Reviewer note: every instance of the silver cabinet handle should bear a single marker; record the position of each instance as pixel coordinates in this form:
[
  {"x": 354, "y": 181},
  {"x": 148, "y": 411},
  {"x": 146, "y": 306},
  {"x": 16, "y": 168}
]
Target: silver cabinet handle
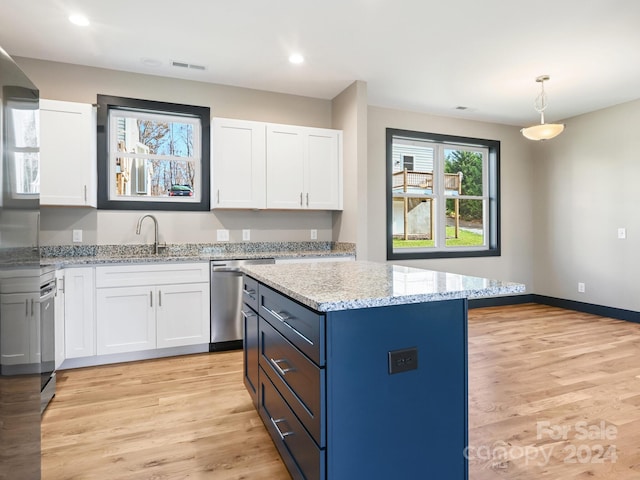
[
  {"x": 276, "y": 422},
  {"x": 307, "y": 199},
  {"x": 218, "y": 196},
  {"x": 283, "y": 317},
  {"x": 151, "y": 298},
  {"x": 246, "y": 315},
  {"x": 26, "y": 307},
  {"x": 276, "y": 364},
  {"x": 159, "y": 298},
  {"x": 85, "y": 194},
  {"x": 32, "y": 307},
  {"x": 301, "y": 198}
]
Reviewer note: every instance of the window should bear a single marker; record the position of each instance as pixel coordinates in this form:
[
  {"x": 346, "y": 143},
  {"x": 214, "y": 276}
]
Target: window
[
  {"x": 442, "y": 196},
  {"x": 22, "y": 125},
  {"x": 152, "y": 155}
]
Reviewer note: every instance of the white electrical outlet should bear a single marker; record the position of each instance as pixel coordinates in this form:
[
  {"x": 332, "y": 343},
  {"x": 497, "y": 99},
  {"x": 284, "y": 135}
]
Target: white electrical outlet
[
  {"x": 622, "y": 233},
  {"x": 580, "y": 287},
  {"x": 246, "y": 235},
  {"x": 222, "y": 235},
  {"x": 77, "y": 236},
  {"x": 314, "y": 234}
]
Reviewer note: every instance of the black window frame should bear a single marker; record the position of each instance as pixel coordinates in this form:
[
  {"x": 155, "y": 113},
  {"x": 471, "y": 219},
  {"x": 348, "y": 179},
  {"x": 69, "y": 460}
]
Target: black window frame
[
  {"x": 493, "y": 248},
  {"x": 108, "y": 102}
]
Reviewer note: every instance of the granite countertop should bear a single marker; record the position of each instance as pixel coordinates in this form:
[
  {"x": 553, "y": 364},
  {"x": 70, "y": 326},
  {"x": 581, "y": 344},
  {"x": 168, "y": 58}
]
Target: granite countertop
[
  {"x": 70, "y": 255},
  {"x": 331, "y": 286}
]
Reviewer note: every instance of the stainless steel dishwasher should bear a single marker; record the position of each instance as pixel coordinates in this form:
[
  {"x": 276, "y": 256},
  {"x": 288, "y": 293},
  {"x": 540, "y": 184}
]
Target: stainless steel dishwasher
[{"x": 226, "y": 302}]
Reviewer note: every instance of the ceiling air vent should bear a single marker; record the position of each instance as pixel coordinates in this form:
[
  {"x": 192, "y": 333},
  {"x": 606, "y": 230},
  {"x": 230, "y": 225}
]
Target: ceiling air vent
[{"x": 192, "y": 66}]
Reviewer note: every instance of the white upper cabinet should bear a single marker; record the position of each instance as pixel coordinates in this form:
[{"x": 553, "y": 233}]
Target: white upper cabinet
[
  {"x": 67, "y": 153},
  {"x": 323, "y": 169},
  {"x": 238, "y": 164},
  {"x": 304, "y": 168},
  {"x": 285, "y": 166},
  {"x": 258, "y": 165}
]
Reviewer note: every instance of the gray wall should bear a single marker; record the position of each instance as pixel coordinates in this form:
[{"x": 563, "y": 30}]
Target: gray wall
[
  {"x": 586, "y": 183},
  {"x": 60, "y": 81},
  {"x": 350, "y": 115},
  {"x": 516, "y": 170}
]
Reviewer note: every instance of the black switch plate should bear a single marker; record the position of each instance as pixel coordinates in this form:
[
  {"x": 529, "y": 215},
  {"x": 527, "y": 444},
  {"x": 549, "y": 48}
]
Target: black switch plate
[{"x": 403, "y": 360}]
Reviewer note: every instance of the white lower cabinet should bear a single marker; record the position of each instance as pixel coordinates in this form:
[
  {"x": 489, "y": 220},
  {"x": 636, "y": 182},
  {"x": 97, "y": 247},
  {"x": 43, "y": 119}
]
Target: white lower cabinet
[
  {"x": 182, "y": 316},
  {"x": 79, "y": 312},
  {"x": 125, "y": 319},
  {"x": 144, "y": 315},
  {"x": 19, "y": 326}
]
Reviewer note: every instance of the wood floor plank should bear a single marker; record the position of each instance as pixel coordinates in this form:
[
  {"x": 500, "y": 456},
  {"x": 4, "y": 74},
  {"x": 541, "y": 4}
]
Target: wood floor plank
[{"x": 534, "y": 372}]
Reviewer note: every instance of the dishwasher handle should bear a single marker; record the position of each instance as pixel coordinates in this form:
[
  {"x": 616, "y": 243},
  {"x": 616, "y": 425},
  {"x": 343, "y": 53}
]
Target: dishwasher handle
[{"x": 225, "y": 269}]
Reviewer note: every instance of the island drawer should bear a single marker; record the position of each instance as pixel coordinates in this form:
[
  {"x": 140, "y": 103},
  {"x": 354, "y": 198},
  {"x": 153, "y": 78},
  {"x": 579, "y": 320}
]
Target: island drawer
[
  {"x": 298, "y": 379},
  {"x": 301, "y": 326},
  {"x": 299, "y": 452},
  {"x": 250, "y": 292}
]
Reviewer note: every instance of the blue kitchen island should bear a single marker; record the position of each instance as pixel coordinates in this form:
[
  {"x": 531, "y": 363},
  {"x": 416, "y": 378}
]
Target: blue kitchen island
[{"x": 359, "y": 369}]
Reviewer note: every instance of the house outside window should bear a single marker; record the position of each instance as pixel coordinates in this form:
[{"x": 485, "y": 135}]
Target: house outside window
[
  {"x": 152, "y": 155},
  {"x": 442, "y": 196}
]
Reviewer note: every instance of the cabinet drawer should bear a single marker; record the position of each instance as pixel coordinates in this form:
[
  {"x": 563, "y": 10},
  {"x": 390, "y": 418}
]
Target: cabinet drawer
[
  {"x": 301, "y": 326},
  {"x": 151, "y": 274},
  {"x": 250, "y": 292},
  {"x": 301, "y": 455},
  {"x": 297, "y": 378}
]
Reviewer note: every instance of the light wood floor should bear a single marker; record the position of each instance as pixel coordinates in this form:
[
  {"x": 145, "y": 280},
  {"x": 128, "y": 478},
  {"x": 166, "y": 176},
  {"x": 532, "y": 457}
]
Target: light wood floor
[{"x": 535, "y": 373}]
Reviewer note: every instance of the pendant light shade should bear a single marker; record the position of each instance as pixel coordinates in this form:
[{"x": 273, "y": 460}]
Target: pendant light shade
[{"x": 544, "y": 131}]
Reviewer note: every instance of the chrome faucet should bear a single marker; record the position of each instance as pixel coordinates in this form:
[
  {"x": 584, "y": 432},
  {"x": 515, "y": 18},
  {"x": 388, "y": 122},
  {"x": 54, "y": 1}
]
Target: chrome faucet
[{"x": 155, "y": 238}]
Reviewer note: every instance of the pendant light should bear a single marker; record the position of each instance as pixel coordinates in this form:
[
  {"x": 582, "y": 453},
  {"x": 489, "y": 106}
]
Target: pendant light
[{"x": 544, "y": 131}]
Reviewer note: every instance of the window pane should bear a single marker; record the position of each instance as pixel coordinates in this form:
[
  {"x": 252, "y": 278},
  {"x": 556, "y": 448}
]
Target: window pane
[
  {"x": 464, "y": 223},
  {"x": 25, "y": 126},
  {"x": 463, "y": 172},
  {"x": 413, "y": 222},
  {"x": 161, "y": 136},
  {"x": 413, "y": 215},
  {"x": 27, "y": 168},
  {"x": 140, "y": 177}
]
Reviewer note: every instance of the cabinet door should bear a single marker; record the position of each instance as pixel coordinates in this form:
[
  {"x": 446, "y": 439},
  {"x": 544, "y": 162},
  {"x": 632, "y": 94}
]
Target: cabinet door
[
  {"x": 183, "y": 315},
  {"x": 238, "y": 164},
  {"x": 79, "y": 312},
  {"x": 323, "y": 172},
  {"x": 125, "y": 319},
  {"x": 59, "y": 319},
  {"x": 67, "y": 153},
  {"x": 16, "y": 327},
  {"x": 285, "y": 167}
]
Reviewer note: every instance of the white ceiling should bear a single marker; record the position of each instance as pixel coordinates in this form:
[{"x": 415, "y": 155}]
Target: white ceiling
[{"x": 421, "y": 55}]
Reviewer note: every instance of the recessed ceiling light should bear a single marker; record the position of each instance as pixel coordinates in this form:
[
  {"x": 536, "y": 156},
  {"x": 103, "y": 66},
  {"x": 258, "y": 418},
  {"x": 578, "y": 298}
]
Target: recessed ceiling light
[
  {"x": 296, "y": 58},
  {"x": 79, "y": 20}
]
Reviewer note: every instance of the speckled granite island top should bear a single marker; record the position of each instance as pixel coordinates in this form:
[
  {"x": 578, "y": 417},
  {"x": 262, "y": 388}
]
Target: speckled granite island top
[{"x": 335, "y": 286}]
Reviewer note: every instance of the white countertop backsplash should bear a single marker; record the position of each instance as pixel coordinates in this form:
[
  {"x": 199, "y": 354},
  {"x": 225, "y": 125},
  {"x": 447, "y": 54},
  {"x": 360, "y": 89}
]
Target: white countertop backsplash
[{"x": 331, "y": 286}]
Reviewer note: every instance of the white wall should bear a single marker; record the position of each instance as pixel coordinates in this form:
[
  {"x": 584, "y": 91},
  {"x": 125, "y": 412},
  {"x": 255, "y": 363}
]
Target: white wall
[
  {"x": 516, "y": 170},
  {"x": 586, "y": 187},
  {"x": 59, "y": 81}
]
